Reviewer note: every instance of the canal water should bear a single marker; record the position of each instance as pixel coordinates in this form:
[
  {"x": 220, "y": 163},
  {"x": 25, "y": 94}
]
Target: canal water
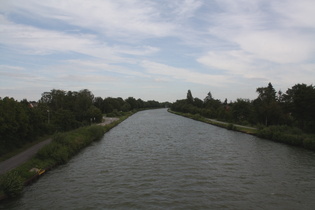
[{"x": 158, "y": 160}]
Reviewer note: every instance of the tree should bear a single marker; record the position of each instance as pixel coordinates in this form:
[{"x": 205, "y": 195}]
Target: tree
[
  {"x": 95, "y": 114},
  {"x": 99, "y": 103},
  {"x": 132, "y": 102},
  {"x": 208, "y": 97},
  {"x": 241, "y": 110},
  {"x": 83, "y": 102},
  {"x": 198, "y": 103},
  {"x": 190, "y": 98},
  {"x": 300, "y": 102},
  {"x": 267, "y": 108}
]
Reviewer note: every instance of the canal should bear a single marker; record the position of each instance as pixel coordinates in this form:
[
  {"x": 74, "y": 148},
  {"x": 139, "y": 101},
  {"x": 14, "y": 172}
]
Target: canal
[{"x": 158, "y": 160}]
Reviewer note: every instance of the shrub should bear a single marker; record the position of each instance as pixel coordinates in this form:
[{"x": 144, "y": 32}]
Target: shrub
[
  {"x": 11, "y": 184},
  {"x": 230, "y": 126},
  {"x": 96, "y": 132},
  {"x": 309, "y": 142},
  {"x": 55, "y": 151}
]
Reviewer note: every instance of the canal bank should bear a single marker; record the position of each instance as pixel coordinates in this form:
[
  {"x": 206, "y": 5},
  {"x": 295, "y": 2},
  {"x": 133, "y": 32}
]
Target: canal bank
[
  {"x": 280, "y": 134},
  {"x": 158, "y": 160},
  {"x": 55, "y": 152},
  {"x": 229, "y": 126}
]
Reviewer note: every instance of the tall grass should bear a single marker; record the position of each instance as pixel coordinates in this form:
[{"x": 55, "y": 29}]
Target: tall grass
[
  {"x": 59, "y": 151},
  {"x": 288, "y": 135}
]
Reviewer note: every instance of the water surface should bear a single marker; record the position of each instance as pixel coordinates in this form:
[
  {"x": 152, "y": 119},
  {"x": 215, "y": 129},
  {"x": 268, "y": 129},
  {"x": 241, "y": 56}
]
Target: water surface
[{"x": 157, "y": 160}]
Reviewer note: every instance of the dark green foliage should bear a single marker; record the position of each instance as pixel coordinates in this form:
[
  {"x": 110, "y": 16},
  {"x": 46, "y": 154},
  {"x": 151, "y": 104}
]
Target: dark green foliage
[
  {"x": 11, "y": 184},
  {"x": 277, "y": 111},
  {"x": 67, "y": 144},
  {"x": 231, "y": 126},
  {"x": 288, "y": 135},
  {"x": 63, "y": 147},
  {"x": 55, "y": 151},
  {"x": 190, "y": 99},
  {"x": 58, "y": 111},
  {"x": 309, "y": 142},
  {"x": 299, "y": 101}
]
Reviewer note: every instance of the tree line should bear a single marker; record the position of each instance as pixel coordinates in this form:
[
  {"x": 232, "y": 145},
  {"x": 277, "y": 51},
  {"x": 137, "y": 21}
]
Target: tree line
[
  {"x": 295, "y": 107},
  {"x": 23, "y": 121}
]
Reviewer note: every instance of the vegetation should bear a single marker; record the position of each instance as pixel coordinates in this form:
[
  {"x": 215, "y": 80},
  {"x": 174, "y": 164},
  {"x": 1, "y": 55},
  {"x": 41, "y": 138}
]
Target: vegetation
[
  {"x": 63, "y": 147},
  {"x": 23, "y": 122},
  {"x": 229, "y": 126},
  {"x": 284, "y": 117}
]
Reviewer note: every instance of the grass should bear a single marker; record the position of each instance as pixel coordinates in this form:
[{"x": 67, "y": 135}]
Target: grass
[
  {"x": 62, "y": 148},
  {"x": 229, "y": 126},
  {"x": 23, "y": 148},
  {"x": 283, "y": 134}
]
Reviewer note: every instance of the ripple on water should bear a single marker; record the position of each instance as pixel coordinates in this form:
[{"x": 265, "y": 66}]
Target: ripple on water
[{"x": 157, "y": 160}]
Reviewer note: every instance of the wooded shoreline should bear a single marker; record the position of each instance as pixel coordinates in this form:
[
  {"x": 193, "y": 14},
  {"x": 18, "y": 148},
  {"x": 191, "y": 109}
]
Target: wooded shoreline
[{"x": 62, "y": 148}]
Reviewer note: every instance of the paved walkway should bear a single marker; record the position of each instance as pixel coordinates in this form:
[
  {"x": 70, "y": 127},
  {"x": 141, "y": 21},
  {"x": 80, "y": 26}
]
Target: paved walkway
[
  {"x": 225, "y": 123},
  {"x": 17, "y": 160}
]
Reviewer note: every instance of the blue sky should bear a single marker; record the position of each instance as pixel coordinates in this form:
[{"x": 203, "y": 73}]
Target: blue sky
[{"x": 155, "y": 50}]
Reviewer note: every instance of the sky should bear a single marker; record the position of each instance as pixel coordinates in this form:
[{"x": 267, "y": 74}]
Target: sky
[{"x": 155, "y": 49}]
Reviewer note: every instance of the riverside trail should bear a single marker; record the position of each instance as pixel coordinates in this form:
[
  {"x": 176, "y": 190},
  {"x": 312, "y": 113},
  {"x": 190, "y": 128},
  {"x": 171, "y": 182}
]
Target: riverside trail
[{"x": 22, "y": 157}]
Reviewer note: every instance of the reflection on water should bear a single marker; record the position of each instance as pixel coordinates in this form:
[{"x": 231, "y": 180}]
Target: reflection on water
[{"x": 157, "y": 160}]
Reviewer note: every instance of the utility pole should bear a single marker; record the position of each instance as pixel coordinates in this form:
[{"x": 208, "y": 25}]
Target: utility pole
[{"x": 48, "y": 116}]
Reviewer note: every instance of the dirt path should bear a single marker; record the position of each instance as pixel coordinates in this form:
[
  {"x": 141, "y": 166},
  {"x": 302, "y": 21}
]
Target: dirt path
[
  {"x": 225, "y": 123},
  {"x": 17, "y": 160},
  {"x": 108, "y": 120}
]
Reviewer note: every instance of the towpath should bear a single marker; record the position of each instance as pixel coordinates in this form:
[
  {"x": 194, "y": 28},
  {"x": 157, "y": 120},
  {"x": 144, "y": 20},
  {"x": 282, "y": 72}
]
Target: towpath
[
  {"x": 225, "y": 123},
  {"x": 18, "y": 159}
]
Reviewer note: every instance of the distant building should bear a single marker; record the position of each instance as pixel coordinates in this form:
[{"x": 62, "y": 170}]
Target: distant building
[{"x": 33, "y": 104}]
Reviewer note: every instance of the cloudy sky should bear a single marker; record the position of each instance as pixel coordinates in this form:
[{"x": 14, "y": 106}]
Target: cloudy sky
[{"x": 155, "y": 49}]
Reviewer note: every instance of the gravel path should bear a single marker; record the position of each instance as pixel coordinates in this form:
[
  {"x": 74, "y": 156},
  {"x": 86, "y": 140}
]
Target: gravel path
[
  {"x": 17, "y": 160},
  {"x": 225, "y": 123}
]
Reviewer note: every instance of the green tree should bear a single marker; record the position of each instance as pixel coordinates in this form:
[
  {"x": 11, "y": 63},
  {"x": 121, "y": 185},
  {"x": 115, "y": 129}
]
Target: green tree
[
  {"x": 83, "y": 102},
  {"x": 198, "y": 102},
  {"x": 95, "y": 114},
  {"x": 190, "y": 99},
  {"x": 15, "y": 127},
  {"x": 242, "y": 110},
  {"x": 99, "y": 103},
  {"x": 208, "y": 97},
  {"x": 300, "y": 102},
  {"x": 267, "y": 108},
  {"x": 132, "y": 102}
]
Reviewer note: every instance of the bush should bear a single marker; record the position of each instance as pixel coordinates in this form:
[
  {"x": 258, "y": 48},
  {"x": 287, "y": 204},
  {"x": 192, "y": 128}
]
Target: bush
[
  {"x": 289, "y": 135},
  {"x": 96, "y": 132},
  {"x": 230, "y": 126},
  {"x": 55, "y": 151},
  {"x": 11, "y": 184},
  {"x": 309, "y": 142}
]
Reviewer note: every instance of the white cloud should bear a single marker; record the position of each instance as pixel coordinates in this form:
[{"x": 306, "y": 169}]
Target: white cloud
[
  {"x": 36, "y": 41},
  {"x": 276, "y": 46},
  {"x": 98, "y": 67},
  {"x": 299, "y": 14},
  {"x": 123, "y": 18},
  {"x": 264, "y": 34},
  {"x": 233, "y": 62},
  {"x": 184, "y": 75},
  {"x": 137, "y": 42},
  {"x": 184, "y": 9}
]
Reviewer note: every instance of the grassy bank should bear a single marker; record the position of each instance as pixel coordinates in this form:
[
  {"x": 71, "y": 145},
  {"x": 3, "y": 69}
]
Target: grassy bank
[
  {"x": 282, "y": 134},
  {"x": 12, "y": 153},
  {"x": 59, "y": 151},
  {"x": 229, "y": 126},
  {"x": 288, "y": 135}
]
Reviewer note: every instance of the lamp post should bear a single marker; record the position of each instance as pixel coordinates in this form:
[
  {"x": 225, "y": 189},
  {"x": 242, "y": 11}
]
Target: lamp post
[{"x": 48, "y": 116}]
